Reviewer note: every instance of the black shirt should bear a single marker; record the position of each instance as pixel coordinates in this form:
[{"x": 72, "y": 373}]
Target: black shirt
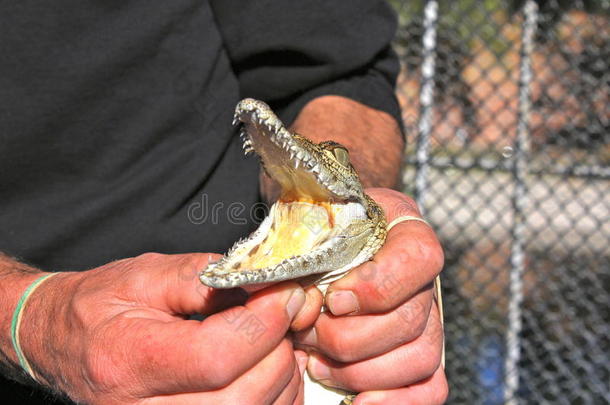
[{"x": 115, "y": 116}]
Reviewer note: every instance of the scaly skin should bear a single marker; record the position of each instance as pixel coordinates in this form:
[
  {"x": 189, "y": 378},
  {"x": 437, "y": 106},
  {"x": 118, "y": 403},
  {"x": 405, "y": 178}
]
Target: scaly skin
[{"x": 348, "y": 226}]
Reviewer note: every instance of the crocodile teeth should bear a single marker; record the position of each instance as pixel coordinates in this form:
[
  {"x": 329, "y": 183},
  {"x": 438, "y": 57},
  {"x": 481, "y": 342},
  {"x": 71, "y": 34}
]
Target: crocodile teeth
[{"x": 235, "y": 119}]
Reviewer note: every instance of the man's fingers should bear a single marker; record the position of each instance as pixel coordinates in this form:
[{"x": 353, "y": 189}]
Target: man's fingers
[
  {"x": 355, "y": 338},
  {"x": 294, "y": 389},
  {"x": 273, "y": 377},
  {"x": 276, "y": 376},
  {"x": 431, "y": 391},
  {"x": 170, "y": 283},
  {"x": 302, "y": 359},
  {"x": 188, "y": 356},
  {"x": 406, "y": 365},
  {"x": 409, "y": 260},
  {"x": 310, "y": 311}
]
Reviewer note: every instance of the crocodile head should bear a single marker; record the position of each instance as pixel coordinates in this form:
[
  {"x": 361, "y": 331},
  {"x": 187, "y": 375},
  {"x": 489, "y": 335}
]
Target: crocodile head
[{"x": 322, "y": 222}]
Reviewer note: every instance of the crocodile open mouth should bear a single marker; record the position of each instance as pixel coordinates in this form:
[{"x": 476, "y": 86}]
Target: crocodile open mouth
[{"x": 321, "y": 198}]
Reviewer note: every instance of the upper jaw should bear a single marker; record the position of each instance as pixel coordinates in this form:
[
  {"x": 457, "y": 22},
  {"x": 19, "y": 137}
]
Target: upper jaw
[{"x": 290, "y": 159}]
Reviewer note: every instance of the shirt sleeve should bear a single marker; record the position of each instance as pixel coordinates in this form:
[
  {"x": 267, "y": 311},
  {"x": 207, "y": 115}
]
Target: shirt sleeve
[{"x": 288, "y": 52}]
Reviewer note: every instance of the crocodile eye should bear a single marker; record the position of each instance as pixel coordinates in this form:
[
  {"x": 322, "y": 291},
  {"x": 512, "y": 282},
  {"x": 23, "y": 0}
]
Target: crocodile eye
[{"x": 342, "y": 155}]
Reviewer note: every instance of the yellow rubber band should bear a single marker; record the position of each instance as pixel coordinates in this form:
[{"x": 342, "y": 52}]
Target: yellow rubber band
[
  {"x": 405, "y": 218},
  {"x": 16, "y": 323}
]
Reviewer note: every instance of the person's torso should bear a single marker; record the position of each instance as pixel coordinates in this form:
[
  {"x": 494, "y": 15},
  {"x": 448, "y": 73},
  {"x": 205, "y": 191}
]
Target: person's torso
[{"x": 116, "y": 136}]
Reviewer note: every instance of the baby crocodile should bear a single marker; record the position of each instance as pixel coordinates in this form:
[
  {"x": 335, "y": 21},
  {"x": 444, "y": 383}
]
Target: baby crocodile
[{"x": 322, "y": 225}]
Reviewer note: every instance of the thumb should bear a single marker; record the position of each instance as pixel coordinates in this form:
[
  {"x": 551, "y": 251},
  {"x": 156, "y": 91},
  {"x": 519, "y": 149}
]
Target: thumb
[{"x": 173, "y": 285}]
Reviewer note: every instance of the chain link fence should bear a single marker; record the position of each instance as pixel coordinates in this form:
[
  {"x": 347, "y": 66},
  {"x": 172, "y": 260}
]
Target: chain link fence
[{"x": 506, "y": 106}]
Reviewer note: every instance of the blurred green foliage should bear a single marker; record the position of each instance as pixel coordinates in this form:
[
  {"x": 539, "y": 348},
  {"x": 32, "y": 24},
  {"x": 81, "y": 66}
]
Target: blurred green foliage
[
  {"x": 468, "y": 20},
  {"x": 483, "y": 19}
]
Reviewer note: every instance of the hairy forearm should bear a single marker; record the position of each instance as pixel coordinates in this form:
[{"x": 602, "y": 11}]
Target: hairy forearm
[
  {"x": 15, "y": 277},
  {"x": 372, "y": 137}
]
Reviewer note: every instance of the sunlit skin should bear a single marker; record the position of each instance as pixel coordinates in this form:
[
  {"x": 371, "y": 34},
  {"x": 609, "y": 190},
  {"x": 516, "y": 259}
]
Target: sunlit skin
[{"x": 123, "y": 337}]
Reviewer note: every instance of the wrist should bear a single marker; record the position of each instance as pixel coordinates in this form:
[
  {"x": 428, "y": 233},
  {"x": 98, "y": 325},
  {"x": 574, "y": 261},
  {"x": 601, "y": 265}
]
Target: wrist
[
  {"x": 43, "y": 317},
  {"x": 15, "y": 278}
]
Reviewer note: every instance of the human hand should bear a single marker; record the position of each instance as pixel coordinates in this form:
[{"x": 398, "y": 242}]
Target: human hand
[
  {"x": 118, "y": 334},
  {"x": 383, "y": 335}
]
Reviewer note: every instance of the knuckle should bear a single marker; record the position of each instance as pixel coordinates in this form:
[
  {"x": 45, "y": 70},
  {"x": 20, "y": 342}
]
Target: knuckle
[
  {"x": 406, "y": 206},
  {"x": 402, "y": 203},
  {"x": 149, "y": 257},
  {"x": 441, "y": 392},
  {"x": 415, "y": 315},
  {"x": 437, "y": 258},
  {"x": 340, "y": 347},
  {"x": 431, "y": 360},
  {"x": 354, "y": 379},
  {"x": 430, "y": 252}
]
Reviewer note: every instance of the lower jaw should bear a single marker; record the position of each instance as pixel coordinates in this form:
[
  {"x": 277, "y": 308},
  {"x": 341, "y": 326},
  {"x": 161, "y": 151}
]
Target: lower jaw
[{"x": 297, "y": 228}]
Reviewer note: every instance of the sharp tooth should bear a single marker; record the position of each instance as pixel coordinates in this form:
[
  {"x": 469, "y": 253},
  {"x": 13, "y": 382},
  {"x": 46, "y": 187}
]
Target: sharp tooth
[
  {"x": 296, "y": 164},
  {"x": 235, "y": 119},
  {"x": 292, "y": 154}
]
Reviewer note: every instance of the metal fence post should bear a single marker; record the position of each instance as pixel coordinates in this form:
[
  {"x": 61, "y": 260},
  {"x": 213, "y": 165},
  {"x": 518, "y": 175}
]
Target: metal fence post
[
  {"x": 426, "y": 101},
  {"x": 519, "y": 203}
]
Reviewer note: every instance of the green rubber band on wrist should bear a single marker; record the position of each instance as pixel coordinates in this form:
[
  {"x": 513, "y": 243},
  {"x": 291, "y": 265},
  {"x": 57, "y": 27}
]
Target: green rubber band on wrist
[{"x": 16, "y": 323}]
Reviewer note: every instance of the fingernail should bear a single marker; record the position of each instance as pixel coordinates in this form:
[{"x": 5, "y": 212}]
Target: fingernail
[
  {"x": 342, "y": 302},
  {"x": 318, "y": 370},
  {"x": 309, "y": 338},
  {"x": 295, "y": 302}
]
